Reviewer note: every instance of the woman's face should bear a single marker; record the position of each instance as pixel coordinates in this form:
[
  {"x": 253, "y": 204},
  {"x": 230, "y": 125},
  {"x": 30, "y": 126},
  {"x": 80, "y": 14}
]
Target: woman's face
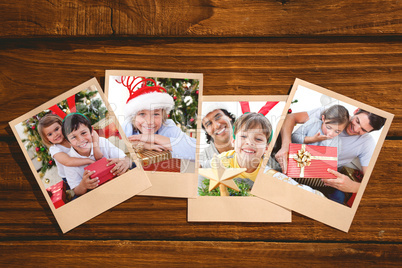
[
  {"x": 218, "y": 126},
  {"x": 149, "y": 121}
]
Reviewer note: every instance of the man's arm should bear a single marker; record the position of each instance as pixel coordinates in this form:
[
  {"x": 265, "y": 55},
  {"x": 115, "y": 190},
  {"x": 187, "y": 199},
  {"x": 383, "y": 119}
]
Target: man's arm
[{"x": 286, "y": 133}]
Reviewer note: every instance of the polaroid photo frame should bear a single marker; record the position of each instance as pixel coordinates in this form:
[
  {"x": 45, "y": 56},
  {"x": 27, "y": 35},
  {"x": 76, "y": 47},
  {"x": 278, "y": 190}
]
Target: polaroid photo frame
[
  {"x": 336, "y": 208},
  {"x": 87, "y": 101},
  {"x": 243, "y": 207},
  {"x": 133, "y": 94}
]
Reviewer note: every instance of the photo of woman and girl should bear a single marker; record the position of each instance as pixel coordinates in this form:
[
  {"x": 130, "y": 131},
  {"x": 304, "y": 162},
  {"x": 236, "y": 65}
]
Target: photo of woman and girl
[
  {"x": 239, "y": 143},
  {"x": 154, "y": 120},
  {"x": 324, "y": 121},
  {"x": 73, "y": 144}
]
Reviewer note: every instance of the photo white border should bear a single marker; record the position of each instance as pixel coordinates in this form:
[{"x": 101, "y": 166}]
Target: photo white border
[
  {"x": 100, "y": 199},
  {"x": 294, "y": 198}
]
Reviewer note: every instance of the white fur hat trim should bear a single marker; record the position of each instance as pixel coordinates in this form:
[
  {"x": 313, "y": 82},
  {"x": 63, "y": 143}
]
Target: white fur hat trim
[
  {"x": 212, "y": 106},
  {"x": 149, "y": 101}
]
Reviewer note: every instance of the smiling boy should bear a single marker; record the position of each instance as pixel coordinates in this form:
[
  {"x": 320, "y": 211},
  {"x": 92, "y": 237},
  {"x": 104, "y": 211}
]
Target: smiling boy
[{"x": 77, "y": 130}]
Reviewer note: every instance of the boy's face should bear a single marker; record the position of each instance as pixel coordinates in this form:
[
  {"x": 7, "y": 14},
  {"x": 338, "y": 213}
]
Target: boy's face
[
  {"x": 250, "y": 145},
  {"x": 53, "y": 133},
  {"x": 359, "y": 124},
  {"x": 218, "y": 126},
  {"x": 81, "y": 140},
  {"x": 148, "y": 121}
]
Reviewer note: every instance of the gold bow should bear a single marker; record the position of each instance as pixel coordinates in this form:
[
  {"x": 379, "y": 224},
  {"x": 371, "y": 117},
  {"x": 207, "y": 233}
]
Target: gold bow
[{"x": 304, "y": 157}]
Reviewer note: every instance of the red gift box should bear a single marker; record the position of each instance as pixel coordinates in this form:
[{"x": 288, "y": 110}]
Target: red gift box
[
  {"x": 101, "y": 170},
  {"x": 311, "y": 161},
  {"x": 57, "y": 194}
]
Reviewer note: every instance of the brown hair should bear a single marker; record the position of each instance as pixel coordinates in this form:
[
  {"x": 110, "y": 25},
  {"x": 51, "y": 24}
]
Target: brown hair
[
  {"x": 376, "y": 121},
  {"x": 336, "y": 114},
  {"x": 251, "y": 121},
  {"x": 164, "y": 118},
  {"x": 45, "y": 122}
]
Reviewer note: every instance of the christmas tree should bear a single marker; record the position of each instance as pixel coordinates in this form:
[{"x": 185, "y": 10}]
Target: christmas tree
[
  {"x": 88, "y": 102},
  {"x": 185, "y": 95}
]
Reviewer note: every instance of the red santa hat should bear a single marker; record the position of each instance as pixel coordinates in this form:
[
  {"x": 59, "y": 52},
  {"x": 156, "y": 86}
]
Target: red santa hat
[{"x": 144, "y": 97}]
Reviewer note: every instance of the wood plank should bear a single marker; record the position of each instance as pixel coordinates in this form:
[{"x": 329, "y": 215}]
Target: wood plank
[
  {"x": 196, "y": 253},
  {"x": 37, "y": 70},
  {"x": 25, "y": 215},
  {"x": 199, "y": 18}
]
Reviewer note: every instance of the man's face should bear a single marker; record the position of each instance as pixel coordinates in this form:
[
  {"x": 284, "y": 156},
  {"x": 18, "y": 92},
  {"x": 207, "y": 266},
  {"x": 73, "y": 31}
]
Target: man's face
[
  {"x": 149, "y": 121},
  {"x": 250, "y": 146},
  {"x": 218, "y": 126},
  {"x": 359, "y": 124},
  {"x": 81, "y": 140}
]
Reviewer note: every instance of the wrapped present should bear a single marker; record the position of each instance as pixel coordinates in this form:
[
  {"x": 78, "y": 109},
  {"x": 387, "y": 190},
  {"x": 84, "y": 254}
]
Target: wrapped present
[
  {"x": 102, "y": 171},
  {"x": 171, "y": 165},
  {"x": 354, "y": 175},
  {"x": 106, "y": 128},
  {"x": 57, "y": 194},
  {"x": 311, "y": 161},
  {"x": 148, "y": 157}
]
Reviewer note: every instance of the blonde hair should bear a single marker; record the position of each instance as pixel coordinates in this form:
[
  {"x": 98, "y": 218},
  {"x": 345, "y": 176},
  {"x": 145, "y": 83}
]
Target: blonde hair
[
  {"x": 45, "y": 122},
  {"x": 164, "y": 118},
  {"x": 252, "y": 121}
]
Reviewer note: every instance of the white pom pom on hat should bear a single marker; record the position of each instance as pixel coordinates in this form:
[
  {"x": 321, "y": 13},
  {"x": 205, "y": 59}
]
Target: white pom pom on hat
[{"x": 208, "y": 107}]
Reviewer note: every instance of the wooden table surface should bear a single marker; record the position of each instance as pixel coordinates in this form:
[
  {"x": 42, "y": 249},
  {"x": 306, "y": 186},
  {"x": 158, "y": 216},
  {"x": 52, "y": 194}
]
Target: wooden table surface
[{"x": 242, "y": 47}]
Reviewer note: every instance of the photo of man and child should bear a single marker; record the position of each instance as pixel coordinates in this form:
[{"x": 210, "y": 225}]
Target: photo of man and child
[
  {"x": 72, "y": 149},
  {"x": 317, "y": 119},
  {"x": 238, "y": 134}
]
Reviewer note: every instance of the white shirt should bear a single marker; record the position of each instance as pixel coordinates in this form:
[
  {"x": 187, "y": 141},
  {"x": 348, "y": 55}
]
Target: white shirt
[
  {"x": 74, "y": 174},
  {"x": 55, "y": 149}
]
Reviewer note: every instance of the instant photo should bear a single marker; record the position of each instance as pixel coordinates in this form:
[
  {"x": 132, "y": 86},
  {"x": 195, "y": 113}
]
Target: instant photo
[
  {"x": 158, "y": 113},
  {"x": 322, "y": 160},
  {"x": 236, "y": 135},
  {"x": 74, "y": 147}
]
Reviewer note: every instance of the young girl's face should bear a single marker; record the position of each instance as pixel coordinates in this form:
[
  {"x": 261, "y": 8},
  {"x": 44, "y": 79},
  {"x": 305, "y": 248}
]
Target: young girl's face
[
  {"x": 331, "y": 130},
  {"x": 53, "y": 133},
  {"x": 148, "y": 121},
  {"x": 250, "y": 146}
]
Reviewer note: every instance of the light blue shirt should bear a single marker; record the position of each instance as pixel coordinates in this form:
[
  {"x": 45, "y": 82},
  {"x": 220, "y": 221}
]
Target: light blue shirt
[{"x": 183, "y": 146}]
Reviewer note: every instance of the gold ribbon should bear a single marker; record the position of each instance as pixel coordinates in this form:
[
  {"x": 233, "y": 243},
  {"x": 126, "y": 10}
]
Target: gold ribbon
[{"x": 304, "y": 157}]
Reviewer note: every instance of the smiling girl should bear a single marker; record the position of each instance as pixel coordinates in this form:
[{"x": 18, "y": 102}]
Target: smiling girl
[
  {"x": 50, "y": 130},
  {"x": 323, "y": 132}
]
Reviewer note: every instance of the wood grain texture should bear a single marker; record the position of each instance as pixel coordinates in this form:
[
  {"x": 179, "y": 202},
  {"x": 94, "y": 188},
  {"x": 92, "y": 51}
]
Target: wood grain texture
[
  {"x": 185, "y": 253},
  {"x": 365, "y": 69},
  {"x": 24, "y": 213},
  {"x": 200, "y": 18}
]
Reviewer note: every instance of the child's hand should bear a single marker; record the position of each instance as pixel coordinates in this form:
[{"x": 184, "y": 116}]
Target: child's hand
[
  {"x": 121, "y": 165},
  {"x": 140, "y": 138},
  {"x": 316, "y": 138},
  {"x": 87, "y": 182},
  {"x": 154, "y": 147}
]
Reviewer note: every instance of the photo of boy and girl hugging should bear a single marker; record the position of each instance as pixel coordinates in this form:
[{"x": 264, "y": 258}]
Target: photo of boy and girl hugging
[
  {"x": 73, "y": 144},
  {"x": 239, "y": 143},
  {"x": 331, "y": 124}
]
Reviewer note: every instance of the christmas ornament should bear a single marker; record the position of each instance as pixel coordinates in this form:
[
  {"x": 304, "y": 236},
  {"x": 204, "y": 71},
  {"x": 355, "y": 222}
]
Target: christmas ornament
[
  {"x": 33, "y": 127},
  {"x": 41, "y": 174},
  {"x": 221, "y": 176},
  {"x": 39, "y": 159},
  {"x": 50, "y": 162},
  {"x": 47, "y": 180},
  {"x": 88, "y": 102},
  {"x": 42, "y": 149},
  {"x": 37, "y": 149}
]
